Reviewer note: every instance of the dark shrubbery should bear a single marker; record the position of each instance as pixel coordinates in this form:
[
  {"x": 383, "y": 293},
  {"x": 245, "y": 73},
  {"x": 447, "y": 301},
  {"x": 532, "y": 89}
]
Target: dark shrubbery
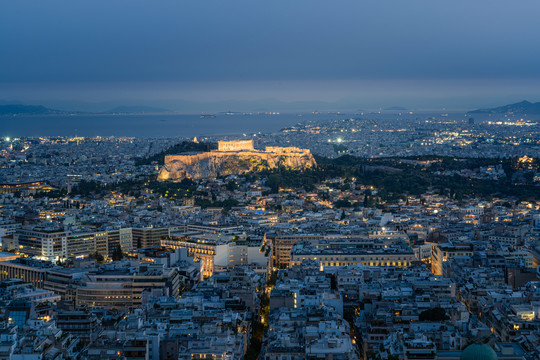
[
  {"x": 434, "y": 314},
  {"x": 183, "y": 147}
]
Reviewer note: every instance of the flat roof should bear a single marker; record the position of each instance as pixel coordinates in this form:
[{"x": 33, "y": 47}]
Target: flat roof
[{"x": 7, "y": 254}]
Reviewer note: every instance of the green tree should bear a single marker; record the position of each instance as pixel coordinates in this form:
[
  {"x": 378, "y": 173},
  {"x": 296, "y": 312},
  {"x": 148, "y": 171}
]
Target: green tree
[
  {"x": 98, "y": 257},
  {"x": 433, "y": 314},
  {"x": 117, "y": 254},
  {"x": 231, "y": 185},
  {"x": 343, "y": 203},
  {"x": 529, "y": 176},
  {"x": 183, "y": 147}
]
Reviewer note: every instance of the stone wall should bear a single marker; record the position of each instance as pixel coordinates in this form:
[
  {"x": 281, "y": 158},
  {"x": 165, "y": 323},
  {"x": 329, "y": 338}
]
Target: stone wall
[{"x": 286, "y": 150}]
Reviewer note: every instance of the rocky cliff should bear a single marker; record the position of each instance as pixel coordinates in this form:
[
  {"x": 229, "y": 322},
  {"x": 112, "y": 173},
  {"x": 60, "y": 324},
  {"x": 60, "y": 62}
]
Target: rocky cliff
[{"x": 215, "y": 163}]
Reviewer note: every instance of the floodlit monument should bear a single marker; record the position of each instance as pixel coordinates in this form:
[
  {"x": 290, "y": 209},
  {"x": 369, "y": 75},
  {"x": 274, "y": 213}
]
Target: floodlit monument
[
  {"x": 238, "y": 145},
  {"x": 233, "y": 157}
]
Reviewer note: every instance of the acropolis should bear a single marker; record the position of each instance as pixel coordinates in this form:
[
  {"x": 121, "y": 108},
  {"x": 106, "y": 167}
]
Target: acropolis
[{"x": 233, "y": 157}]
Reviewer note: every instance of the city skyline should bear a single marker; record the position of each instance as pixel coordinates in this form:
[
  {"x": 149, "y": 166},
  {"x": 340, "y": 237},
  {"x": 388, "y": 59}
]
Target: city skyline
[{"x": 285, "y": 180}]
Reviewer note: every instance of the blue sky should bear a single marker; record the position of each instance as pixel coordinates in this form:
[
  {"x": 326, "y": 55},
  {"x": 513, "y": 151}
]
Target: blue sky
[{"x": 415, "y": 52}]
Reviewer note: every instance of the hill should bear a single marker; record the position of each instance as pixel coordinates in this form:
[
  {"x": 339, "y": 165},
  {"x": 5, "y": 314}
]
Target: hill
[
  {"x": 212, "y": 164},
  {"x": 18, "y": 109},
  {"x": 524, "y": 107}
]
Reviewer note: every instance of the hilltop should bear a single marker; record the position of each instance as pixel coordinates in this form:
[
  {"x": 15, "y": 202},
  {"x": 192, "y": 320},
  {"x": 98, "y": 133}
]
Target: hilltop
[
  {"x": 22, "y": 109},
  {"x": 523, "y": 107},
  {"x": 233, "y": 158},
  {"x": 18, "y": 109}
]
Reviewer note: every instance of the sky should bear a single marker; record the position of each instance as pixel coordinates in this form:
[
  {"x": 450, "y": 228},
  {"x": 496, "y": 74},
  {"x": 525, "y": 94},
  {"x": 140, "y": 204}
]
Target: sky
[{"x": 351, "y": 53}]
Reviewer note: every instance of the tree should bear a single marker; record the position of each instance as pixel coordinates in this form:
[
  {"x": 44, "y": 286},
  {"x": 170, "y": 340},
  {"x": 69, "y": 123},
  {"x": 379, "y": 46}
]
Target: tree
[
  {"x": 343, "y": 203},
  {"x": 272, "y": 279},
  {"x": 117, "y": 254},
  {"x": 434, "y": 314},
  {"x": 333, "y": 282},
  {"x": 529, "y": 176},
  {"x": 231, "y": 185},
  {"x": 183, "y": 147},
  {"x": 98, "y": 257}
]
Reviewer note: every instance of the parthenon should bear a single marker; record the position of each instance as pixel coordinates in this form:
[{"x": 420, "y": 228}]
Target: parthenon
[{"x": 238, "y": 145}]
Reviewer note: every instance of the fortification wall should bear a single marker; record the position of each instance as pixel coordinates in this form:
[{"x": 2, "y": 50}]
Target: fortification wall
[
  {"x": 286, "y": 150},
  {"x": 189, "y": 159}
]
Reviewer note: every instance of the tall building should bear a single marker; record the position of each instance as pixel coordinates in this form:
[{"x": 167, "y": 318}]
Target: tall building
[
  {"x": 282, "y": 245},
  {"x": 219, "y": 254},
  {"x": 144, "y": 237},
  {"x": 120, "y": 285},
  {"x": 29, "y": 270},
  {"x": 54, "y": 243},
  {"x": 7, "y": 228},
  {"x": 446, "y": 251},
  {"x": 345, "y": 252},
  {"x": 122, "y": 238},
  {"x": 80, "y": 322},
  {"x": 102, "y": 243},
  {"x": 49, "y": 243}
]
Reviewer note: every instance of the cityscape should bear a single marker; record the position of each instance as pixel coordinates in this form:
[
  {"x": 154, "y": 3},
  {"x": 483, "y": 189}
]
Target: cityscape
[
  {"x": 239, "y": 184},
  {"x": 421, "y": 245}
]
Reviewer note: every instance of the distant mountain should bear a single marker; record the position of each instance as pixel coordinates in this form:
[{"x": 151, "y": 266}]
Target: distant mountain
[
  {"x": 524, "y": 107},
  {"x": 137, "y": 110},
  {"x": 18, "y": 109}
]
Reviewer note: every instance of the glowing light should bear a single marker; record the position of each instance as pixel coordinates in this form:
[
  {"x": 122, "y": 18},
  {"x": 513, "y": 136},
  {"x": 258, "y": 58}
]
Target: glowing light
[{"x": 339, "y": 140}]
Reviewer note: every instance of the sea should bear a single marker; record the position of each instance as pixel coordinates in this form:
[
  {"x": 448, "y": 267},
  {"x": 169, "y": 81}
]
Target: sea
[
  {"x": 151, "y": 125},
  {"x": 188, "y": 126}
]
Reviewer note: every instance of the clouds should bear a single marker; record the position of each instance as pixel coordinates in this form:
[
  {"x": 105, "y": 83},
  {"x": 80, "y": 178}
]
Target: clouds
[{"x": 178, "y": 41}]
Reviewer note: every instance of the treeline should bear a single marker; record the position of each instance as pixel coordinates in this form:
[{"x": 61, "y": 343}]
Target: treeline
[
  {"x": 182, "y": 189},
  {"x": 437, "y": 163},
  {"x": 183, "y": 147},
  {"x": 407, "y": 180},
  {"x": 87, "y": 187},
  {"x": 390, "y": 185},
  {"x": 392, "y": 178},
  {"x": 54, "y": 194},
  {"x": 93, "y": 187},
  {"x": 225, "y": 204}
]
